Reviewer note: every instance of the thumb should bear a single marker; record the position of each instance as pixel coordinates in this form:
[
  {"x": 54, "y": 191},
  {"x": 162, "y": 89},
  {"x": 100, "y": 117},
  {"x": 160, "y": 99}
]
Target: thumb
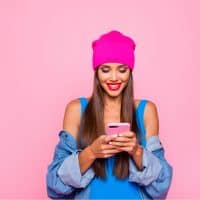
[{"x": 108, "y": 138}]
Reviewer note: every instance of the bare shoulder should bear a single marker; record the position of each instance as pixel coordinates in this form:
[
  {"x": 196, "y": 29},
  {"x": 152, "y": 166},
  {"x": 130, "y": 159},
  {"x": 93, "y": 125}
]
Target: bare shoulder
[
  {"x": 136, "y": 102},
  {"x": 72, "y": 115},
  {"x": 151, "y": 119}
]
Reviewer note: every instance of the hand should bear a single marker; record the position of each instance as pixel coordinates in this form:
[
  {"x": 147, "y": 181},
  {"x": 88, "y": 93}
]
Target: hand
[
  {"x": 101, "y": 148},
  {"x": 126, "y": 141}
]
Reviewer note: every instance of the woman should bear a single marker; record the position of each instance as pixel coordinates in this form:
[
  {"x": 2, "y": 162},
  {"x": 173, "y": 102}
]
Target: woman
[{"x": 90, "y": 164}]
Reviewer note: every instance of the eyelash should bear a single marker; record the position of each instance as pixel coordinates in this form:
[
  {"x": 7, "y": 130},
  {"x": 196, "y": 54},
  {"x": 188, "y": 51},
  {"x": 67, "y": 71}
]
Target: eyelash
[{"x": 106, "y": 71}]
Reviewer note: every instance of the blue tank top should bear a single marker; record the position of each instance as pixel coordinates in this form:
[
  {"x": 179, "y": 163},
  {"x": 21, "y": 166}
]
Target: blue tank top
[{"x": 112, "y": 187}]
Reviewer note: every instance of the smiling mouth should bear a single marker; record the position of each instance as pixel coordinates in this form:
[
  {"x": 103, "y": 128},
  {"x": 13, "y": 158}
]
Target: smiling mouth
[{"x": 113, "y": 86}]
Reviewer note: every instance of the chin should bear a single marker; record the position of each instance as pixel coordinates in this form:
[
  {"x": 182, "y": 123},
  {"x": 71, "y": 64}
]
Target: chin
[{"x": 113, "y": 93}]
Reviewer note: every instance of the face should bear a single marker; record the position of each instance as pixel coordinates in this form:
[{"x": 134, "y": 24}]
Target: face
[{"x": 113, "y": 77}]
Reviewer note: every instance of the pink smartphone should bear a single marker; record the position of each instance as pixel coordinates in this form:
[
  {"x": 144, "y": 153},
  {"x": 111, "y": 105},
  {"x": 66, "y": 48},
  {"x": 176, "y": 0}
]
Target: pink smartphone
[{"x": 115, "y": 128}]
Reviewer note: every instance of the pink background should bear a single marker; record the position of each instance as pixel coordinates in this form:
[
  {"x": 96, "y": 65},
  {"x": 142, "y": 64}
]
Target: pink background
[{"x": 45, "y": 60}]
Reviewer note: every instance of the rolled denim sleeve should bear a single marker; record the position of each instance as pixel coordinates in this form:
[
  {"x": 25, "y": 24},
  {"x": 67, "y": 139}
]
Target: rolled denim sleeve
[
  {"x": 156, "y": 176},
  {"x": 55, "y": 187},
  {"x": 150, "y": 172},
  {"x": 65, "y": 159},
  {"x": 70, "y": 173}
]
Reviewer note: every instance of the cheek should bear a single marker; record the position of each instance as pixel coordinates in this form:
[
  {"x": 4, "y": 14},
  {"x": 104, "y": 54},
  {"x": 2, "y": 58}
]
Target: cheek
[
  {"x": 124, "y": 77},
  {"x": 103, "y": 77}
]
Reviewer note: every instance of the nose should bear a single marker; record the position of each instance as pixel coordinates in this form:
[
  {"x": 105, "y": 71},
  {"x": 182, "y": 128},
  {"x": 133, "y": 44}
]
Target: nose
[{"x": 114, "y": 76}]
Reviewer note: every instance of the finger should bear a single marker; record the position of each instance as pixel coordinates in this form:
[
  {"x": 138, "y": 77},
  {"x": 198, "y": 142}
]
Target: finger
[
  {"x": 113, "y": 151},
  {"x": 102, "y": 138},
  {"x": 128, "y": 149},
  {"x": 108, "y": 138},
  {"x": 122, "y": 144},
  {"x": 108, "y": 155},
  {"x": 125, "y": 140},
  {"x": 122, "y": 139},
  {"x": 128, "y": 134},
  {"x": 107, "y": 147}
]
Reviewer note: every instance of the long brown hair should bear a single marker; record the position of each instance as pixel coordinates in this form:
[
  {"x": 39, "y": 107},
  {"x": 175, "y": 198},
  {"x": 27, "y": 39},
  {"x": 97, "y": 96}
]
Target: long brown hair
[{"x": 92, "y": 126}]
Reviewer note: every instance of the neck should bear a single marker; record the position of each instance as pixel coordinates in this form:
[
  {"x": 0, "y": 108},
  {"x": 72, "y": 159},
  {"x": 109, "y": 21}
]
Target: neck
[{"x": 112, "y": 102}]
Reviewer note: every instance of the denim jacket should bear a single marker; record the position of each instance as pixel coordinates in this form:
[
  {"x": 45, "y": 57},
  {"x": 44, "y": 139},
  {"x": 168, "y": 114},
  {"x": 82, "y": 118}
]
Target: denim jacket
[{"x": 65, "y": 181}]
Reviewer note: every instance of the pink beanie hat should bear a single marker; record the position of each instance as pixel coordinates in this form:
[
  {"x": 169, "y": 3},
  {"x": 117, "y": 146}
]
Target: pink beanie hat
[{"x": 113, "y": 47}]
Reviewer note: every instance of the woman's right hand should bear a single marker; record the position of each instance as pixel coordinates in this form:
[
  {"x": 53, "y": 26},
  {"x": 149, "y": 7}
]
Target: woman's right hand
[{"x": 100, "y": 148}]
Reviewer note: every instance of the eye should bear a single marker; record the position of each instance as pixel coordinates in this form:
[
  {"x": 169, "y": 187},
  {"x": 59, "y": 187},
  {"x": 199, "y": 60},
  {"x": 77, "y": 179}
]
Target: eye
[
  {"x": 105, "y": 70},
  {"x": 123, "y": 70}
]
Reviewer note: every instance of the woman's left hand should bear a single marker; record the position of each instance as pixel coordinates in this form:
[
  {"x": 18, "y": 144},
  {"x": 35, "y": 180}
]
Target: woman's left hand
[{"x": 126, "y": 141}]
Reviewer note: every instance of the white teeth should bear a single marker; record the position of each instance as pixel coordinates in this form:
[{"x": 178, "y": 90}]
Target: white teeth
[{"x": 114, "y": 86}]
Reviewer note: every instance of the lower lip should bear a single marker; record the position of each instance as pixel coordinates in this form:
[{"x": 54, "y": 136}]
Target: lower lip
[{"x": 117, "y": 86}]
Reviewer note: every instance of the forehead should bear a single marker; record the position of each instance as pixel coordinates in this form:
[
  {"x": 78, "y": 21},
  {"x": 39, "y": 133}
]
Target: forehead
[{"x": 113, "y": 65}]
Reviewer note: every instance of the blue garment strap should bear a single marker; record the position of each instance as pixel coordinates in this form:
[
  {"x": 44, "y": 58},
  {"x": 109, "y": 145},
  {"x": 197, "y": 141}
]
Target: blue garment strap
[
  {"x": 84, "y": 103},
  {"x": 140, "y": 120}
]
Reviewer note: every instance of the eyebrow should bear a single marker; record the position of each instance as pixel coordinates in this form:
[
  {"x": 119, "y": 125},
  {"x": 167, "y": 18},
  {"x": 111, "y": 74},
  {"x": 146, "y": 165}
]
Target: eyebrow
[{"x": 117, "y": 66}]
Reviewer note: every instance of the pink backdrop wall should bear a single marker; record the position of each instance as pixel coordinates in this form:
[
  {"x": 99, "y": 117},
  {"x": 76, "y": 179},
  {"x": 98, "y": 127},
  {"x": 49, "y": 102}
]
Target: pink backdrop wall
[{"x": 45, "y": 61}]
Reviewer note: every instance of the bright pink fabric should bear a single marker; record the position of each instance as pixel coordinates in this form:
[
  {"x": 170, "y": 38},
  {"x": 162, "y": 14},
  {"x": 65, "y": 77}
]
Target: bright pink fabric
[{"x": 113, "y": 47}]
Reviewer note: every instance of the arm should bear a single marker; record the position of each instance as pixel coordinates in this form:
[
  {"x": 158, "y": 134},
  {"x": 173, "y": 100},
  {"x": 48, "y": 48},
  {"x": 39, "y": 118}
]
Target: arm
[
  {"x": 156, "y": 176},
  {"x": 152, "y": 128},
  {"x": 64, "y": 174},
  {"x": 86, "y": 158}
]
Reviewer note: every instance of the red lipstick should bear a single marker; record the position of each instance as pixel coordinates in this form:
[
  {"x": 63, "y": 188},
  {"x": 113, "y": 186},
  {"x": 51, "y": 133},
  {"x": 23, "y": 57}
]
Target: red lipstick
[{"x": 113, "y": 86}]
